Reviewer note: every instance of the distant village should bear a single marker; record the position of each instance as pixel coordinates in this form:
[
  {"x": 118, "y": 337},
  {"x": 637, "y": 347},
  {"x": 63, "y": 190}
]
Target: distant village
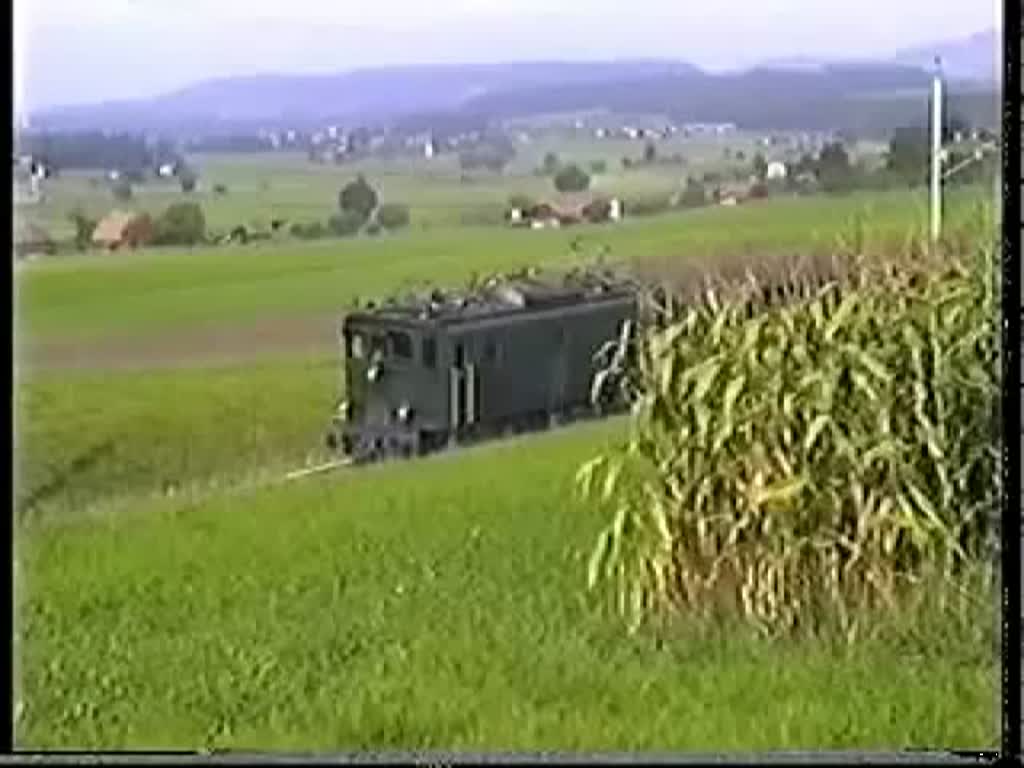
[{"x": 788, "y": 160}]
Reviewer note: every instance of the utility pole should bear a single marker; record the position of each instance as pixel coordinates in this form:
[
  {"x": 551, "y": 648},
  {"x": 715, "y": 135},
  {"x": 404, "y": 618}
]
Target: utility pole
[{"x": 936, "y": 176}]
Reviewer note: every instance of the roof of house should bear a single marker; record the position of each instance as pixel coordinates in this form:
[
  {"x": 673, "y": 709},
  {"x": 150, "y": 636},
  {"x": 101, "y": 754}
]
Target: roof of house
[{"x": 111, "y": 227}]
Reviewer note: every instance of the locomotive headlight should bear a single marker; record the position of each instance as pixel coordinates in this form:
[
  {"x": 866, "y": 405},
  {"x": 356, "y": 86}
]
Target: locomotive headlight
[{"x": 404, "y": 412}]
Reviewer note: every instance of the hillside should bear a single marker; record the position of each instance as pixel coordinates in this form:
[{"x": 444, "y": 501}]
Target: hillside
[
  {"x": 867, "y": 98},
  {"x": 368, "y": 95}
]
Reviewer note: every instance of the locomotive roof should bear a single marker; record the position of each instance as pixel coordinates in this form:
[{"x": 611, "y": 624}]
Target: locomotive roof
[{"x": 495, "y": 298}]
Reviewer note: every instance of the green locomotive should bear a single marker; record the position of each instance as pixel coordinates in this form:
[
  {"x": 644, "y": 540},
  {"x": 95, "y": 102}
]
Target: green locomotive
[{"x": 514, "y": 355}]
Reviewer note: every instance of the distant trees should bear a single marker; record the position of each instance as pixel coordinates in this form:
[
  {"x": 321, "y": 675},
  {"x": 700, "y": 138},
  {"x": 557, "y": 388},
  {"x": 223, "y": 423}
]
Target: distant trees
[
  {"x": 551, "y": 163},
  {"x": 89, "y": 150},
  {"x": 598, "y": 167},
  {"x": 180, "y": 224},
  {"x": 393, "y": 216},
  {"x": 358, "y": 199},
  {"x": 834, "y": 169},
  {"x": 909, "y": 154},
  {"x": 493, "y": 156},
  {"x": 571, "y": 178},
  {"x": 759, "y": 166},
  {"x": 650, "y": 153}
]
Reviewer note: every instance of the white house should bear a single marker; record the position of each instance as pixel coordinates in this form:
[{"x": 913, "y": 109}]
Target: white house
[
  {"x": 615, "y": 209},
  {"x": 776, "y": 170},
  {"x": 166, "y": 170},
  {"x": 428, "y": 149}
]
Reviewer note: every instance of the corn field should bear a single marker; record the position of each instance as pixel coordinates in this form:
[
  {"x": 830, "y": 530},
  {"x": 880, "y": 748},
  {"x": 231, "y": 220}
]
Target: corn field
[{"x": 802, "y": 462}]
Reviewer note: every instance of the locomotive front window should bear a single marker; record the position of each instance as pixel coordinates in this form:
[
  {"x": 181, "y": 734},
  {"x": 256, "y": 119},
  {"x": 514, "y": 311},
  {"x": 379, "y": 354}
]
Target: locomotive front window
[{"x": 400, "y": 344}]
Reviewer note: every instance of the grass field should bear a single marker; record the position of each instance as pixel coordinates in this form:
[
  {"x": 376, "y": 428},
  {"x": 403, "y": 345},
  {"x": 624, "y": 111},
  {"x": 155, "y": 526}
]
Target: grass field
[
  {"x": 176, "y": 289},
  {"x": 432, "y": 604}
]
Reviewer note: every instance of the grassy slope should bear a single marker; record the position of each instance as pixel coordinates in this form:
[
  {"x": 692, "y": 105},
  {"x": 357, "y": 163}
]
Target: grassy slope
[
  {"x": 165, "y": 290},
  {"x": 433, "y": 604},
  {"x": 84, "y": 437}
]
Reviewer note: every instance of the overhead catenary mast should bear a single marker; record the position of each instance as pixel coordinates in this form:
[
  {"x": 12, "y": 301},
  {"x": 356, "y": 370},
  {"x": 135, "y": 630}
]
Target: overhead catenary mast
[{"x": 936, "y": 173}]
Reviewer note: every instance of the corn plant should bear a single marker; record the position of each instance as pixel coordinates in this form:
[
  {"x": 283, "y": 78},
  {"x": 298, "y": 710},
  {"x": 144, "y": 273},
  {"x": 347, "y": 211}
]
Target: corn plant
[{"x": 810, "y": 462}]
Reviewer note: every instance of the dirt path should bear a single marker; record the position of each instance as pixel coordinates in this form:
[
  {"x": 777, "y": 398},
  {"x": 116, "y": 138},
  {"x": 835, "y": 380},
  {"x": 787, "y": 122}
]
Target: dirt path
[{"x": 277, "y": 338}]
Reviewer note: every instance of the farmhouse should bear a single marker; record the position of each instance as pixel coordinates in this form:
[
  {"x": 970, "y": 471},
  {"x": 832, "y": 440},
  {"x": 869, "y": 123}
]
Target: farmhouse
[
  {"x": 119, "y": 228},
  {"x": 568, "y": 210},
  {"x": 776, "y": 170}
]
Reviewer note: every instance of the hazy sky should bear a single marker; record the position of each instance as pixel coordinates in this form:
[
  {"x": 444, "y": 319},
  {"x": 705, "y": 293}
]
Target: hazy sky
[{"x": 69, "y": 51}]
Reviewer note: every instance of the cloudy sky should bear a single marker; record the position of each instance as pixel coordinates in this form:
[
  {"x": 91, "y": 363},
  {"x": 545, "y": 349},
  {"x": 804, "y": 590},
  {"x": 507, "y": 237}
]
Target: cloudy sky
[{"x": 70, "y": 51}]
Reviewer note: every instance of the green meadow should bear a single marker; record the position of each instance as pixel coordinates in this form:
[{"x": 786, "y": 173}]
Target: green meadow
[{"x": 172, "y": 591}]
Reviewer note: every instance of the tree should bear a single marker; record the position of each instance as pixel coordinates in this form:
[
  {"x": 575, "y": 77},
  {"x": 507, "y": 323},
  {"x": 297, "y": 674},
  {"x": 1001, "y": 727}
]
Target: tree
[
  {"x": 359, "y": 198},
  {"x": 187, "y": 178},
  {"x": 834, "y": 169},
  {"x": 650, "y": 153},
  {"x": 551, "y": 163},
  {"x": 346, "y": 223},
  {"x": 84, "y": 227},
  {"x": 180, "y": 224},
  {"x": 571, "y": 178},
  {"x": 598, "y": 167},
  {"x": 760, "y": 166},
  {"x": 393, "y": 216}
]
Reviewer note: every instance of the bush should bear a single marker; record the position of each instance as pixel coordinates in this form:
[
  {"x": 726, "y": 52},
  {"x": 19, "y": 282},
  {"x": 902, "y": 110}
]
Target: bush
[
  {"x": 598, "y": 167},
  {"x": 309, "y": 231},
  {"x": 180, "y": 224},
  {"x": 346, "y": 223},
  {"x": 485, "y": 215},
  {"x": 393, "y": 216},
  {"x": 84, "y": 227},
  {"x": 188, "y": 179},
  {"x": 811, "y": 464},
  {"x": 571, "y": 178},
  {"x": 220, "y": 190},
  {"x": 649, "y": 205},
  {"x": 520, "y": 201}
]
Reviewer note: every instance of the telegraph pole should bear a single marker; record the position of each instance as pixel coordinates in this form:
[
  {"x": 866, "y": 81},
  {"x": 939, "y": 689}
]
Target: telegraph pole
[{"x": 936, "y": 176}]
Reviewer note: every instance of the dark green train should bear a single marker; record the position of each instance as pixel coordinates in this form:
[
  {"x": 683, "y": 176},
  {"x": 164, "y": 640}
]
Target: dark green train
[{"x": 512, "y": 356}]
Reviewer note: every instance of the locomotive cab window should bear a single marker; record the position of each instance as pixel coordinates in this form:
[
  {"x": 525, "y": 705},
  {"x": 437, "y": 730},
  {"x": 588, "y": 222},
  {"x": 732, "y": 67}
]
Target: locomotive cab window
[
  {"x": 356, "y": 345},
  {"x": 400, "y": 345}
]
